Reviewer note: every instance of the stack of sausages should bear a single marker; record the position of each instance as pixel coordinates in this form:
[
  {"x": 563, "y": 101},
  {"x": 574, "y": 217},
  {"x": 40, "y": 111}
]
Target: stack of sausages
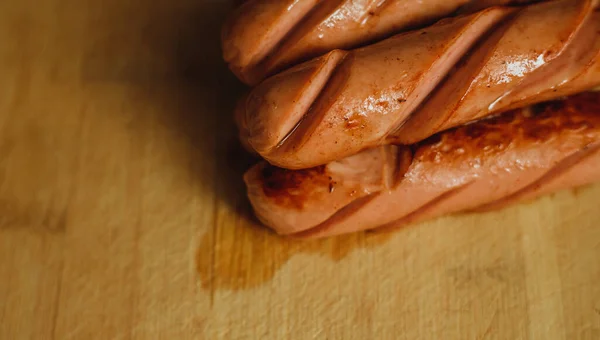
[{"x": 378, "y": 113}]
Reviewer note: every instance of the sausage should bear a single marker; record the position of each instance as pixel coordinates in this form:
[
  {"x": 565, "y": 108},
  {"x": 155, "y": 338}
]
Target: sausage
[
  {"x": 265, "y": 36},
  {"x": 408, "y": 87},
  {"x": 515, "y": 156}
]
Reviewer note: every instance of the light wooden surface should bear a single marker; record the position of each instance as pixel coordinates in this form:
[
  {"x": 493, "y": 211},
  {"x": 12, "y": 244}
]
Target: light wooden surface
[{"x": 122, "y": 214}]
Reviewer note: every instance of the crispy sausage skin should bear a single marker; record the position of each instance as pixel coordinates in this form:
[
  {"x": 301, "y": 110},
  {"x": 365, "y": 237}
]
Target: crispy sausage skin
[
  {"x": 519, "y": 155},
  {"x": 262, "y": 37},
  {"x": 410, "y": 86}
]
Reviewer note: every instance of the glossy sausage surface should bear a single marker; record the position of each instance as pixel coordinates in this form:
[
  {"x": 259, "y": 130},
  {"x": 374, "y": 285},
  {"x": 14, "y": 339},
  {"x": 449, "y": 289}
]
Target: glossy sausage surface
[
  {"x": 516, "y": 156},
  {"x": 265, "y": 36},
  {"x": 413, "y": 85}
]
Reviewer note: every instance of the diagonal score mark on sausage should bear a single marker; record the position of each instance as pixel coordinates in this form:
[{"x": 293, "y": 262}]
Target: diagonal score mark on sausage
[
  {"x": 446, "y": 106},
  {"x": 440, "y": 205},
  {"x": 279, "y": 58},
  {"x": 574, "y": 166},
  {"x": 334, "y": 83},
  {"x": 442, "y": 102},
  {"x": 571, "y": 60},
  {"x": 392, "y": 178},
  {"x": 341, "y": 215},
  {"x": 256, "y": 27},
  {"x": 329, "y": 228},
  {"x": 472, "y": 89},
  {"x": 284, "y": 105},
  {"x": 428, "y": 208},
  {"x": 384, "y": 82},
  {"x": 445, "y": 63}
]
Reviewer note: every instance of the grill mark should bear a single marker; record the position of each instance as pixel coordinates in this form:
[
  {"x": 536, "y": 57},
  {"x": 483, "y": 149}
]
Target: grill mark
[
  {"x": 292, "y": 188},
  {"x": 559, "y": 169}
]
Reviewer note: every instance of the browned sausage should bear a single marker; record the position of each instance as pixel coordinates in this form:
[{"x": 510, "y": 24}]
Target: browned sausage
[
  {"x": 264, "y": 36},
  {"x": 485, "y": 165},
  {"x": 410, "y": 86}
]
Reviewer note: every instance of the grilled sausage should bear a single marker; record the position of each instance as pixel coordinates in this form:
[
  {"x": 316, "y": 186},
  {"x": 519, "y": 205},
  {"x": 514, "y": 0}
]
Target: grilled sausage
[
  {"x": 408, "y": 87},
  {"x": 264, "y": 36},
  {"x": 519, "y": 155}
]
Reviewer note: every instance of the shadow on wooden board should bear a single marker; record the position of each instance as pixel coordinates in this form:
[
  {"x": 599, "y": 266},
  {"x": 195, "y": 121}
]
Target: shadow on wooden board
[{"x": 169, "y": 55}]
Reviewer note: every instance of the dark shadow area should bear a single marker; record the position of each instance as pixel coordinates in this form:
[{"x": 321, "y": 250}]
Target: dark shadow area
[
  {"x": 177, "y": 66},
  {"x": 168, "y": 55}
]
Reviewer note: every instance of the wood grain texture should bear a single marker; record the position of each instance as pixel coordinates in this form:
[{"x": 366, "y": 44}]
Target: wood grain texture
[{"x": 123, "y": 216}]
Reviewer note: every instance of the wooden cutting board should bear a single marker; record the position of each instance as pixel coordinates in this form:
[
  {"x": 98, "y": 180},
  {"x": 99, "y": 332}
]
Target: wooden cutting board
[{"x": 123, "y": 216}]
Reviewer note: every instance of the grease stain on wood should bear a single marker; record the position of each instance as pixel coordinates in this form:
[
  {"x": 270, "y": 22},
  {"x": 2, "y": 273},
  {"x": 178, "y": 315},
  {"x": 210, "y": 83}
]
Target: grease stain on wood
[{"x": 265, "y": 253}]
